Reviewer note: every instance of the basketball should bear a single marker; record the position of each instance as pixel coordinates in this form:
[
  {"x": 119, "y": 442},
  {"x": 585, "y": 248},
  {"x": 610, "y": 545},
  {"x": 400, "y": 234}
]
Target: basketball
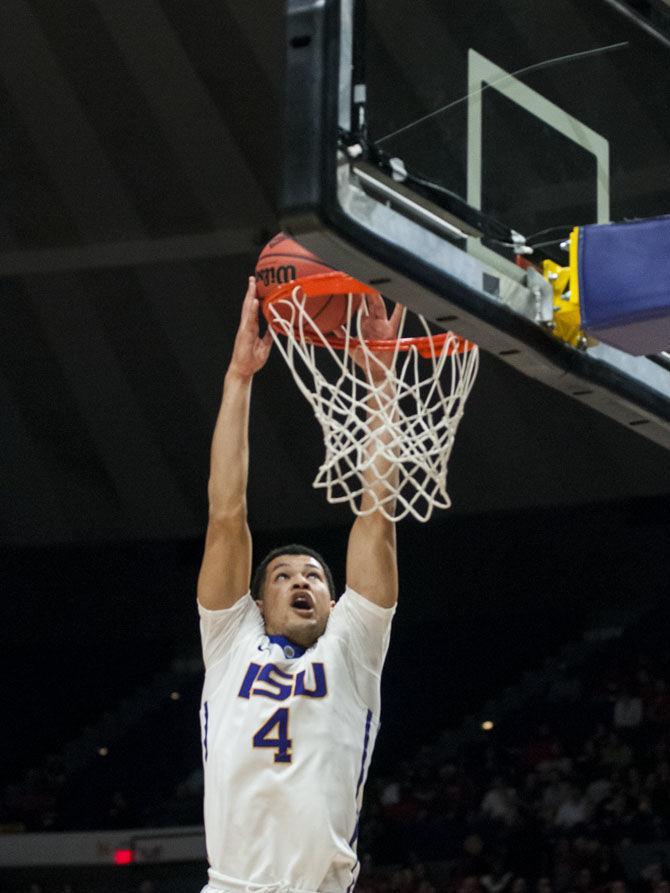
[{"x": 284, "y": 260}]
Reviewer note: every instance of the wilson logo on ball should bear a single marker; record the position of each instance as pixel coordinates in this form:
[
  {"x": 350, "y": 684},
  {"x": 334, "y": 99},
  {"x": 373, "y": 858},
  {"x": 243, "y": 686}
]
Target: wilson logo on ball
[{"x": 276, "y": 275}]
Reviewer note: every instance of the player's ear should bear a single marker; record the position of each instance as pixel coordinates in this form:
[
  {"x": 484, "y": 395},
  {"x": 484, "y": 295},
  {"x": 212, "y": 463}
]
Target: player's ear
[{"x": 261, "y": 606}]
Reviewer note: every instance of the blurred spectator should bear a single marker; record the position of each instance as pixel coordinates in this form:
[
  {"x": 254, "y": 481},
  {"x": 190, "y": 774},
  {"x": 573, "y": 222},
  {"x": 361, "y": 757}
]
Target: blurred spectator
[
  {"x": 615, "y": 753},
  {"x": 469, "y": 884},
  {"x": 119, "y": 813},
  {"x": 598, "y": 790},
  {"x": 653, "y": 874},
  {"x": 500, "y": 803},
  {"x": 658, "y": 705},
  {"x": 541, "y": 748},
  {"x": 472, "y": 862},
  {"x": 627, "y": 711},
  {"x": 390, "y": 795},
  {"x": 572, "y": 812},
  {"x": 555, "y": 792},
  {"x": 643, "y": 825},
  {"x": 563, "y": 866},
  {"x": 583, "y": 881},
  {"x": 498, "y": 879},
  {"x": 607, "y": 869}
]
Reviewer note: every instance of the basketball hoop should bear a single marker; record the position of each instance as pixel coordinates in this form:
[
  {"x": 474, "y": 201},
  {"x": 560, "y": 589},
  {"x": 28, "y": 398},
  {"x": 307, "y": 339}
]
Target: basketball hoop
[{"x": 413, "y": 400}]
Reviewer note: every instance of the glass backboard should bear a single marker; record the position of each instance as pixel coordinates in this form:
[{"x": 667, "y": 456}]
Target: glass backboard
[{"x": 435, "y": 149}]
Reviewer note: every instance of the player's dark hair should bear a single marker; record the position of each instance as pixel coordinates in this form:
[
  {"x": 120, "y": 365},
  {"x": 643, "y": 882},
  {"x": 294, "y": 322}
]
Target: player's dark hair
[{"x": 258, "y": 582}]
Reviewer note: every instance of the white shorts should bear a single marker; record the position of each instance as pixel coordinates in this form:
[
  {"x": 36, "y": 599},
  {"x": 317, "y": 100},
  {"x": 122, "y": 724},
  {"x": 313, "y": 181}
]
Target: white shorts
[{"x": 235, "y": 886}]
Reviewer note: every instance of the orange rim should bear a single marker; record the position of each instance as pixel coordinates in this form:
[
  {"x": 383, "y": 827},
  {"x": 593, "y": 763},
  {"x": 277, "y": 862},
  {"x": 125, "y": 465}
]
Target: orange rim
[{"x": 322, "y": 284}]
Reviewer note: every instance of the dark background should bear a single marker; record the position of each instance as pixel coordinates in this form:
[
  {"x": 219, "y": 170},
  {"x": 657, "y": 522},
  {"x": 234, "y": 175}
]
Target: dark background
[{"x": 138, "y": 173}]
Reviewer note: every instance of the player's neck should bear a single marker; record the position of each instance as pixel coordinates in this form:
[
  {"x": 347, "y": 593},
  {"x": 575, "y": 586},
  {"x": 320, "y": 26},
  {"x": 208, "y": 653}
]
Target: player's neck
[{"x": 290, "y": 648}]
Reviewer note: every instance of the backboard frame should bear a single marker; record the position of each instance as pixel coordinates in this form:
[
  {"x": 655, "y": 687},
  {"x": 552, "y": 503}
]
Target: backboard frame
[{"x": 348, "y": 213}]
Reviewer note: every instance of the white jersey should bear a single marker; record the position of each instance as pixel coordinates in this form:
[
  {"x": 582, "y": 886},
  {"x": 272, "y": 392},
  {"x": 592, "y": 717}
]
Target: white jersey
[{"x": 287, "y": 736}]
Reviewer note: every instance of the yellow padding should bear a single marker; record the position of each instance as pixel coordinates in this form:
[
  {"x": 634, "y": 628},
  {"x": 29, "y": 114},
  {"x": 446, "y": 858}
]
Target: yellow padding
[
  {"x": 565, "y": 284},
  {"x": 574, "y": 266}
]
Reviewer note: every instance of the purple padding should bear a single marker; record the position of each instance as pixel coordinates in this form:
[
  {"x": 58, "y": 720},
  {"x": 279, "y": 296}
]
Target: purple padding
[{"x": 624, "y": 284}]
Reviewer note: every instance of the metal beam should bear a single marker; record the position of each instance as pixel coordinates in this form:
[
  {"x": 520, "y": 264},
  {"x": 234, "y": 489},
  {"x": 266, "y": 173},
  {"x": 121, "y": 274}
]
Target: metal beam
[
  {"x": 136, "y": 252},
  {"x": 53, "y": 117},
  {"x": 211, "y": 159}
]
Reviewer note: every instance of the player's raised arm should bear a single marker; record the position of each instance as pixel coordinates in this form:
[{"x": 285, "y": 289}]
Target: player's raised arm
[
  {"x": 372, "y": 568},
  {"x": 226, "y": 566}
]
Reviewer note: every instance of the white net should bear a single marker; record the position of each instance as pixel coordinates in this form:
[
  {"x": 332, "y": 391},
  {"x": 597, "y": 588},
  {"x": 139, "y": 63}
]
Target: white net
[{"x": 388, "y": 421}]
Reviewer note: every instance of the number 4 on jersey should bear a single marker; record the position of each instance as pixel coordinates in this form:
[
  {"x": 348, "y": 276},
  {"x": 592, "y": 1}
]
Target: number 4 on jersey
[{"x": 281, "y": 742}]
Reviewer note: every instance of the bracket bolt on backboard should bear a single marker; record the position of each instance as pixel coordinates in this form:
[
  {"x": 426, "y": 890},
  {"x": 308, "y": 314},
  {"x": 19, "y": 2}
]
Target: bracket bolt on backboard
[{"x": 541, "y": 293}]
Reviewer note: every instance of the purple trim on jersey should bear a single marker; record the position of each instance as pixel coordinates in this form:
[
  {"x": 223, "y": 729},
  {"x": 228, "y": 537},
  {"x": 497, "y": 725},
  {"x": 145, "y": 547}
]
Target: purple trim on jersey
[
  {"x": 298, "y": 650},
  {"x": 366, "y": 741},
  {"x": 355, "y": 834},
  {"x": 354, "y": 877},
  {"x": 204, "y": 741},
  {"x": 361, "y": 775}
]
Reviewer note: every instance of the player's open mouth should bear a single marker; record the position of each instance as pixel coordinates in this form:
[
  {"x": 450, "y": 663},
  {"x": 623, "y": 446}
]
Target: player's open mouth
[{"x": 302, "y": 604}]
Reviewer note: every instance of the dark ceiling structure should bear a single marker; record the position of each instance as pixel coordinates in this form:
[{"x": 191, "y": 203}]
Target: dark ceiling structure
[{"x": 140, "y": 162}]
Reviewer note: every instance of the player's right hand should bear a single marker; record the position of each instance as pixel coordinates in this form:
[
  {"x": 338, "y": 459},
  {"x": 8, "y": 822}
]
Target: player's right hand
[{"x": 250, "y": 353}]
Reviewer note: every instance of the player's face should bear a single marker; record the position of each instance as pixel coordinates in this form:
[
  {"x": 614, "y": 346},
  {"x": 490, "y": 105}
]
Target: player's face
[{"x": 296, "y": 600}]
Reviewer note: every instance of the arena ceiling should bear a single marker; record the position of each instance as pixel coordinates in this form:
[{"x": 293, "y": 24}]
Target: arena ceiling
[{"x": 140, "y": 161}]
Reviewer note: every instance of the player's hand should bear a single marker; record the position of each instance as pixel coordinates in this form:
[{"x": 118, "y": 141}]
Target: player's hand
[
  {"x": 250, "y": 352},
  {"x": 377, "y": 326}
]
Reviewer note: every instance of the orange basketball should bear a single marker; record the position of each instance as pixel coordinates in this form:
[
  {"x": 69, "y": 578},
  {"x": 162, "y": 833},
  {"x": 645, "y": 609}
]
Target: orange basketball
[{"x": 283, "y": 260}]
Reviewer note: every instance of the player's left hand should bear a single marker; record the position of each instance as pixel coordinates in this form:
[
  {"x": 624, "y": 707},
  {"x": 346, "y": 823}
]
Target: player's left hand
[{"x": 377, "y": 326}]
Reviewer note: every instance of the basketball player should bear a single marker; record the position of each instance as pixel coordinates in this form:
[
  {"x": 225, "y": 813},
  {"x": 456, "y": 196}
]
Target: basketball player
[{"x": 290, "y": 707}]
